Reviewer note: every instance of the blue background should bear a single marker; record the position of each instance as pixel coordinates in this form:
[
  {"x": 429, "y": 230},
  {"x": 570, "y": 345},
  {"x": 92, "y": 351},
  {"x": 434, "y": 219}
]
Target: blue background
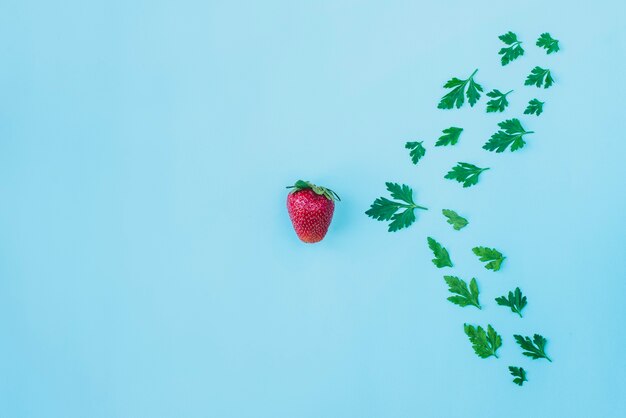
[{"x": 148, "y": 267}]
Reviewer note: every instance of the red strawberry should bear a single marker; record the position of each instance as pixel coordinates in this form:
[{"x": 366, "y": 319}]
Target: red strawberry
[{"x": 311, "y": 209}]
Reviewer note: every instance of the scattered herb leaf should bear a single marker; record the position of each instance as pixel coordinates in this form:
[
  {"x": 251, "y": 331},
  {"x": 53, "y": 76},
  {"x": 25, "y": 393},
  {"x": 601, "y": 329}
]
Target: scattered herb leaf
[
  {"x": 463, "y": 296},
  {"x": 498, "y": 102},
  {"x": 417, "y": 150},
  {"x": 456, "y": 96},
  {"x": 534, "y": 107},
  {"x": 516, "y": 301},
  {"x": 485, "y": 344},
  {"x": 539, "y": 77},
  {"x": 458, "y": 222},
  {"x": 534, "y": 351},
  {"x": 465, "y": 173},
  {"x": 548, "y": 43},
  {"x": 450, "y": 136},
  {"x": 442, "y": 258},
  {"x": 513, "y": 51},
  {"x": 492, "y": 255},
  {"x": 511, "y": 134},
  {"x": 520, "y": 375},
  {"x": 384, "y": 209}
]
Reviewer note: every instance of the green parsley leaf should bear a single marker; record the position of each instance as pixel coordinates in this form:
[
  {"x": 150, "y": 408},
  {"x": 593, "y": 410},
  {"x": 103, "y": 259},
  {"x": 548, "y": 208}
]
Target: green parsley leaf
[
  {"x": 534, "y": 351},
  {"x": 548, "y": 43},
  {"x": 485, "y": 344},
  {"x": 450, "y": 137},
  {"x": 511, "y": 133},
  {"x": 537, "y": 76},
  {"x": 492, "y": 255},
  {"x": 513, "y": 51},
  {"x": 457, "y": 222},
  {"x": 515, "y": 301},
  {"x": 442, "y": 258},
  {"x": 464, "y": 296},
  {"x": 498, "y": 102},
  {"x": 456, "y": 96},
  {"x": 534, "y": 107},
  {"x": 384, "y": 209},
  {"x": 417, "y": 150},
  {"x": 520, "y": 375},
  {"x": 465, "y": 173}
]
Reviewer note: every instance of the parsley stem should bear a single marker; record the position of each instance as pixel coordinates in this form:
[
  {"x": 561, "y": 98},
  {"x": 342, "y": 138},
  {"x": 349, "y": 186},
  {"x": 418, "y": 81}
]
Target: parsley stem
[
  {"x": 410, "y": 206},
  {"x": 474, "y": 73},
  {"x": 508, "y": 92}
]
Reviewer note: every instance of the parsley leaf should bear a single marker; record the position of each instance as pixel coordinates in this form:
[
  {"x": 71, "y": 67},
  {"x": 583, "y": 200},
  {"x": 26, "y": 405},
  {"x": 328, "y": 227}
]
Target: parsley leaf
[
  {"x": 492, "y": 255},
  {"x": 513, "y": 51},
  {"x": 417, "y": 150},
  {"x": 442, "y": 258},
  {"x": 548, "y": 43},
  {"x": 498, "y": 102},
  {"x": 457, "y": 222},
  {"x": 464, "y": 296},
  {"x": 484, "y": 343},
  {"x": 450, "y": 137},
  {"x": 536, "y": 77},
  {"x": 465, "y": 173},
  {"x": 456, "y": 96},
  {"x": 534, "y": 107},
  {"x": 384, "y": 209},
  {"x": 511, "y": 133},
  {"x": 520, "y": 375},
  {"x": 534, "y": 351},
  {"x": 515, "y": 301}
]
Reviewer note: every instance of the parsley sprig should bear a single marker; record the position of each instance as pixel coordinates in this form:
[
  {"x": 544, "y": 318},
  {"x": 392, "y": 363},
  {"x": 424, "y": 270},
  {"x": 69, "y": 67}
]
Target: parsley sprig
[
  {"x": 456, "y": 96},
  {"x": 520, "y": 375},
  {"x": 498, "y": 101},
  {"x": 511, "y": 134},
  {"x": 442, "y": 257},
  {"x": 417, "y": 150},
  {"x": 465, "y": 173},
  {"x": 463, "y": 296},
  {"x": 514, "y": 49},
  {"x": 548, "y": 43},
  {"x": 535, "y": 348},
  {"x": 450, "y": 136},
  {"x": 485, "y": 344},
  {"x": 384, "y": 209},
  {"x": 515, "y": 300},
  {"x": 493, "y": 256},
  {"x": 539, "y": 77},
  {"x": 458, "y": 222},
  {"x": 534, "y": 107}
]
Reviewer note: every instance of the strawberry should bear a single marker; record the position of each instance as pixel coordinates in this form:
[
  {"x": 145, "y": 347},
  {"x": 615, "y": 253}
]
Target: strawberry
[{"x": 311, "y": 209}]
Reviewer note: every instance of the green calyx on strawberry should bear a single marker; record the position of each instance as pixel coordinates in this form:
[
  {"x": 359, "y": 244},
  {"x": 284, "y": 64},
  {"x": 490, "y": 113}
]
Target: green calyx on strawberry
[
  {"x": 311, "y": 210},
  {"x": 303, "y": 185}
]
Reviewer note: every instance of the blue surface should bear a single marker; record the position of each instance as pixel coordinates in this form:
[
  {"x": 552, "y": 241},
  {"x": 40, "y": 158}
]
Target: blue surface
[{"x": 148, "y": 267}]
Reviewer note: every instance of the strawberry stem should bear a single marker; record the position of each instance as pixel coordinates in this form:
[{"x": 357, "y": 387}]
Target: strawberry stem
[{"x": 323, "y": 191}]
